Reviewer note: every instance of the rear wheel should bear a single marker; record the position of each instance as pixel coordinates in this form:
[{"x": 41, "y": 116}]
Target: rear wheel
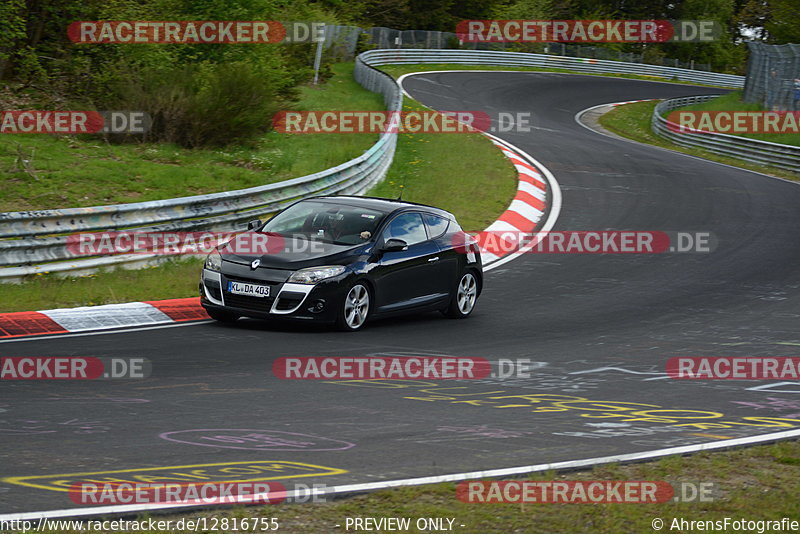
[
  {"x": 465, "y": 297},
  {"x": 356, "y": 307},
  {"x": 222, "y": 316}
]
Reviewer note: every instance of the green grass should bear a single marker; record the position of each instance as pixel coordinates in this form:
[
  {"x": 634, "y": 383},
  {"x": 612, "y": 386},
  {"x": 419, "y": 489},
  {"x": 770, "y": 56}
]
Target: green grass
[
  {"x": 172, "y": 279},
  {"x": 399, "y": 70},
  {"x": 633, "y": 121},
  {"x": 463, "y": 173},
  {"x": 78, "y": 171},
  {"x": 757, "y": 483},
  {"x": 733, "y": 102}
]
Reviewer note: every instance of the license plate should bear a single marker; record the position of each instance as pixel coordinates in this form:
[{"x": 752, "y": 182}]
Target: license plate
[{"x": 251, "y": 290}]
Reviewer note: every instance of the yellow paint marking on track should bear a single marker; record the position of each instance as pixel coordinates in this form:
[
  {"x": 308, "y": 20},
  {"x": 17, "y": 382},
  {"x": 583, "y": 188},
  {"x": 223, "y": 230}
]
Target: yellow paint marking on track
[{"x": 255, "y": 471}]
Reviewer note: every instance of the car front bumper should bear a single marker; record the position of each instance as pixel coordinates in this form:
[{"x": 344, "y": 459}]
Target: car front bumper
[{"x": 318, "y": 302}]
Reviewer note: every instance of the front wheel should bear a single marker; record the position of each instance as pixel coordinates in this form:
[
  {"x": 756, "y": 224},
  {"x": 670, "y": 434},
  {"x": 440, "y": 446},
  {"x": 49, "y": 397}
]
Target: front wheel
[
  {"x": 464, "y": 300},
  {"x": 355, "y": 310}
]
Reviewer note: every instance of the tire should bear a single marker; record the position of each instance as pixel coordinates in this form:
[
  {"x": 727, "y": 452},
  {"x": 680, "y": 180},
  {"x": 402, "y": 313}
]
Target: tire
[
  {"x": 465, "y": 297},
  {"x": 221, "y": 316},
  {"x": 354, "y": 311}
]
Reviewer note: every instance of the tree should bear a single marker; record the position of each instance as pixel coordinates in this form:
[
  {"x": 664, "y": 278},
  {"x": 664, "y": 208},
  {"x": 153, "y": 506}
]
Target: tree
[
  {"x": 526, "y": 9},
  {"x": 722, "y": 53},
  {"x": 783, "y": 22},
  {"x": 751, "y": 18},
  {"x": 12, "y": 31}
]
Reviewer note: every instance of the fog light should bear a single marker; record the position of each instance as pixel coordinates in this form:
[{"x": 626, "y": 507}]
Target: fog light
[{"x": 318, "y": 306}]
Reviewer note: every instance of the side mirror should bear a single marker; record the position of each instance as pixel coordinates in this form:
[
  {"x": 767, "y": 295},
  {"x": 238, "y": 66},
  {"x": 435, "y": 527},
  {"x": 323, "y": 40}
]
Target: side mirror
[
  {"x": 394, "y": 245},
  {"x": 255, "y": 223}
]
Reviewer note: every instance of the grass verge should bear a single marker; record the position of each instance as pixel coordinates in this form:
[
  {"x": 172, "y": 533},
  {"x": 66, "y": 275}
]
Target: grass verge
[
  {"x": 45, "y": 171},
  {"x": 633, "y": 121},
  {"x": 733, "y": 102},
  {"x": 172, "y": 279},
  {"x": 756, "y": 484}
]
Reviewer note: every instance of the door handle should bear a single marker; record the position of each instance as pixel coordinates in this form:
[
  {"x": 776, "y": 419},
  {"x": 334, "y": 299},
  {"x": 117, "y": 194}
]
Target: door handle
[{"x": 431, "y": 260}]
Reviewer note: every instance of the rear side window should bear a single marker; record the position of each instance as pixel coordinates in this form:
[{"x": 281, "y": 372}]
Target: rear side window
[
  {"x": 408, "y": 227},
  {"x": 436, "y": 225}
]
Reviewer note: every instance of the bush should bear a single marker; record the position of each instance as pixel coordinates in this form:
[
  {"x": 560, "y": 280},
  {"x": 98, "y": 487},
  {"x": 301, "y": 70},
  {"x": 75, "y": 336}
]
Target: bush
[
  {"x": 196, "y": 94},
  {"x": 202, "y": 105}
]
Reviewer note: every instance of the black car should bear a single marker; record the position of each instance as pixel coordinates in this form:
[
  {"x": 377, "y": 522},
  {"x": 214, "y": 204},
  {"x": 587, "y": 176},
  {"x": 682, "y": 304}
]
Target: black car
[{"x": 343, "y": 260}]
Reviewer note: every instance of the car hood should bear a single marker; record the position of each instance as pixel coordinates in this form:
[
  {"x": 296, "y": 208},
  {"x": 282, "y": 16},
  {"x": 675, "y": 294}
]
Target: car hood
[{"x": 298, "y": 254}]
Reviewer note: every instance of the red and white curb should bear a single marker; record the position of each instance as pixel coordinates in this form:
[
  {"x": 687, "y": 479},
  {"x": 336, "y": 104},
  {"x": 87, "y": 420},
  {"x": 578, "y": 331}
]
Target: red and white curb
[
  {"x": 525, "y": 211},
  {"x": 109, "y": 316}
]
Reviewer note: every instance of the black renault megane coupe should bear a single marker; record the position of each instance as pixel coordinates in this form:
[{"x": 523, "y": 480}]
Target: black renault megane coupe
[{"x": 344, "y": 260}]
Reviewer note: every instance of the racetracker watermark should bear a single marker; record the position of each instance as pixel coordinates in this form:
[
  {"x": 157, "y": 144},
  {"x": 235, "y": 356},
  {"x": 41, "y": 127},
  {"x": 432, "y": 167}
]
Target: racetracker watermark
[
  {"x": 73, "y": 368},
  {"x": 735, "y": 122},
  {"x": 186, "y": 243},
  {"x": 501, "y": 242},
  {"x": 401, "y": 368},
  {"x": 583, "y": 491},
  {"x": 587, "y": 31},
  {"x": 177, "y": 31},
  {"x": 201, "y": 493},
  {"x": 734, "y": 368},
  {"x": 304, "y": 122},
  {"x": 73, "y": 122},
  {"x": 381, "y": 368}
]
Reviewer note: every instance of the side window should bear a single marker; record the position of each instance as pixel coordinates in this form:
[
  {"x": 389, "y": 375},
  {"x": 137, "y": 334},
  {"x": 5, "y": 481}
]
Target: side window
[
  {"x": 436, "y": 225},
  {"x": 408, "y": 227}
]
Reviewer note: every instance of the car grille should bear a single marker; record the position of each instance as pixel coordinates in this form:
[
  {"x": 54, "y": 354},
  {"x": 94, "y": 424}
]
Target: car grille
[{"x": 248, "y": 303}]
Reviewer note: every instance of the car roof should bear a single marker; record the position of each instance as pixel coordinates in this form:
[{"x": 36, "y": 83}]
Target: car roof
[{"x": 385, "y": 205}]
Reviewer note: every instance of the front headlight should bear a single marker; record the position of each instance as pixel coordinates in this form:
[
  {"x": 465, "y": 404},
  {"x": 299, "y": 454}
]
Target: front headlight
[
  {"x": 214, "y": 261},
  {"x": 312, "y": 275}
]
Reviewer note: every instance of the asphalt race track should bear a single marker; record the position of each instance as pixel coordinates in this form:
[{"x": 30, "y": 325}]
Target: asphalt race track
[{"x": 600, "y": 327}]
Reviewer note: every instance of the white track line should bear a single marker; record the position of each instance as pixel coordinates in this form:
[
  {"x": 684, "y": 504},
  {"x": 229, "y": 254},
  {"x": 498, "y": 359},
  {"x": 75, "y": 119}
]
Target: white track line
[{"x": 453, "y": 477}]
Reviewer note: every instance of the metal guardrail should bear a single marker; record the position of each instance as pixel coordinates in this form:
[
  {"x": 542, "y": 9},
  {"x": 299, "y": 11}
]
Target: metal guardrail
[
  {"x": 30, "y": 238},
  {"x": 521, "y": 59},
  {"x": 342, "y": 42},
  {"x": 775, "y": 154},
  {"x": 36, "y": 241}
]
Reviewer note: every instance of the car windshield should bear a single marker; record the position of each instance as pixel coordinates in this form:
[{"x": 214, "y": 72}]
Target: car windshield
[{"x": 325, "y": 221}]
